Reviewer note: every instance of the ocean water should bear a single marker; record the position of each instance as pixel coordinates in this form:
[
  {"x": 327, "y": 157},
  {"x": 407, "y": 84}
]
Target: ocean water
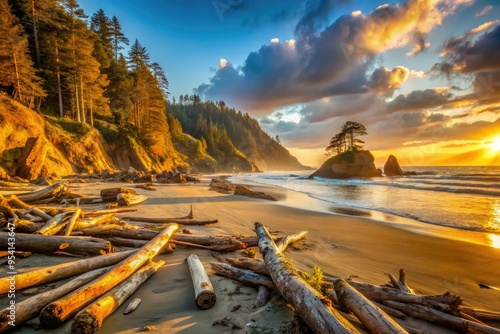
[{"x": 466, "y": 198}]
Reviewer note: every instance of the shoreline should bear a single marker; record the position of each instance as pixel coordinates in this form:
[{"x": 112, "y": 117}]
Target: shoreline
[
  {"x": 311, "y": 203},
  {"x": 339, "y": 245}
]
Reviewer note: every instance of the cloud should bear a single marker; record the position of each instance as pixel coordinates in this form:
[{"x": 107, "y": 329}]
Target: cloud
[
  {"x": 335, "y": 61},
  {"x": 484, "y": 11},
  {"x": 420, "y": 99}
]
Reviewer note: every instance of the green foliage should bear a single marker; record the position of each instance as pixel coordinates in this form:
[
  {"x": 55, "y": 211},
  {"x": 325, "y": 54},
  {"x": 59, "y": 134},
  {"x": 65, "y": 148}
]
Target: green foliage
[
  {"x": 68, "y": 125},
  {"x": 315, "y": 279},
  {"x": 346, "y": 139},
  {"x": 108, "y": 131}
]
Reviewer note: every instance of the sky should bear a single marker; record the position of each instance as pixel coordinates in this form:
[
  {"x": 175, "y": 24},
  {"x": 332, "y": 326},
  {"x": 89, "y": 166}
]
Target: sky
[{"x": 423, "y": 76}]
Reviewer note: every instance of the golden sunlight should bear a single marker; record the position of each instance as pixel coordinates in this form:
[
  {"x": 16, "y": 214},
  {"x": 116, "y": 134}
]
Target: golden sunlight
[{"x": 495, "y": 144}]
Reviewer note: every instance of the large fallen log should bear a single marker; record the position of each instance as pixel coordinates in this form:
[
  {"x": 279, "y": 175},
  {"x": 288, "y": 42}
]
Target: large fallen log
[
  {"x": 180, "y": 221},
  {"x": 443, "y": 319},
  {"x": 57, "y": 312},
  {"x": 309, "y": 304},
  {"x": 61, "y": 271},
  {"x": 49, "y": 192},
  {"x": 372, "y": 317},
  {"x": 111, "y": 194},
  {"x": 29, "y": 308},
  {"x": 254, "y": 265},
  {"x": 43, "y": 244},
  {"x": 204, "y": 294},
  {"x": 482, "y": 315},
  {"x": 90, "y": 319},
  {"x": 446, "y": 302},
  {"x": 244, "y": 276}
]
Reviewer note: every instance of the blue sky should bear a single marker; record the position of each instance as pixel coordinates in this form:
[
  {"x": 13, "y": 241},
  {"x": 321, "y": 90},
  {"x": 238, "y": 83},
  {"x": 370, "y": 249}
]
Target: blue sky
[{"x": 334, "y": 61}]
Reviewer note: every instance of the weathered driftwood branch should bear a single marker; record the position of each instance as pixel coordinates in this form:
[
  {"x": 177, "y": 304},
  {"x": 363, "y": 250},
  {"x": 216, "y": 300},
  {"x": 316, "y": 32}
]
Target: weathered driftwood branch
[
  {"x": 262, "y": 297},
  {"x": 204, "y": 294},
  {"x": 482, "y": 315},
  {"x": 446, "y": 302},
  {"x": 57, "y": 312},
  {"x": 49, "y": 244},
  {"x": 168, "y": 249},
  {"x": 106, "y": 211},
  {"x": 61, "y": 271},
  {"x": 443, "y": 319},
  {"x": 181, "y": 221},
  {"x": 72, "y": 221},
  {"x": 244, "y": 276},
  {"x": 42, "y": 214},
  {"x": 90, "y": 319},
  {"x": 308, "y": 303},
  {"x": 372, "y": 317},
  {"x": 283, "y": 243},
  {"x": 251, "y": 264},
  {"x": 25, "y": 226},
  {"x": 98, "y": 220},
  {"x": 56, "y": 224},
  {"x": 17, "y": 203},
  {"x": 400, "y": 284},
  {"x": 29, "y": 308},
  {"x": 49, "y": 192}
]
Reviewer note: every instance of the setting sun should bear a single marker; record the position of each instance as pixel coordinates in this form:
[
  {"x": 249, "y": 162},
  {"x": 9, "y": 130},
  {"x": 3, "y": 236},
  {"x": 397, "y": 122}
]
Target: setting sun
[{"x": 495, "y": 144}]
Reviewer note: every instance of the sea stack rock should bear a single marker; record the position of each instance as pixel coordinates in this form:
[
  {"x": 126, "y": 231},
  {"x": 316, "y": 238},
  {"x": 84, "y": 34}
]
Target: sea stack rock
[
  {"x": 392, "y": 168},
  {"x": 349, "y": 164}
]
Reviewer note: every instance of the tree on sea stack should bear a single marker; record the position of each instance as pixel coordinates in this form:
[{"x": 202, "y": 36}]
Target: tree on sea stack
[{"x": 346, "y": 139}]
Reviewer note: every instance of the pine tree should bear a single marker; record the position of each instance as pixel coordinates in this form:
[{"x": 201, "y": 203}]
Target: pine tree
[
  {"x": 118, "y": 38},
  {"x": 100, "y": 24},
  {"x": 17, "y": 73}
]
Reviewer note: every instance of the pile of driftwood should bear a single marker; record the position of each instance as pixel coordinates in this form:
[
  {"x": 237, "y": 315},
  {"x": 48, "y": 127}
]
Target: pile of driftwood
[{"x": 101, "y": 283}]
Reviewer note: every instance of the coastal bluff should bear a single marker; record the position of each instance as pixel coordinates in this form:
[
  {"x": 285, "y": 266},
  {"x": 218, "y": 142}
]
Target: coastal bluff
[{"x": 347, "y": 165}]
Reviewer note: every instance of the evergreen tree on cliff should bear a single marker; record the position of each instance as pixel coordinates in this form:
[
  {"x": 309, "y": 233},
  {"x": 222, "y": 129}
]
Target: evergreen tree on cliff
[
  {"x": 346, "y": 139},
  {"x": 17, "y": 73}
]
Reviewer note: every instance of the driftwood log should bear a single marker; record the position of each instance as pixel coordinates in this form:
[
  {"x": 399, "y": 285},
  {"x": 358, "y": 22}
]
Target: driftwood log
[
  {"x": 17, "y": 203},
  {"x": 443, "y": 319},
  {"x": 180, "y": 221},
  {"x": 111, "y": 194},
  {"x": 29, "y": 308},
  {"x": 90, "y": 319},
  {"x": 61, "y": 271},
  {"x": 42, "y": 214},
  {"x": 49, "y": 244},
  {"x": 54, "y": 225},
  {"x": 254, "y": 265},
  {"x": 204, "y": 294},
  {"x": 72, "y": 221},
  {"x": 245, "y": 191},
  {"x": 130, "y": 199},
  {"x": 105, "y": 211},
  {"x": 309, "y": 304},
  {"x": 49, "y": 192},
  {"x": 244, "y": 276},
  {"x": 57, "y": 312},
  {"x": 372, "y": 317},
  {"x": 262, "y": 297}
]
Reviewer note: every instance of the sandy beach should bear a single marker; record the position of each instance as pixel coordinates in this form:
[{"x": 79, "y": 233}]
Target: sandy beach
[{"x": 339, "y": 245}]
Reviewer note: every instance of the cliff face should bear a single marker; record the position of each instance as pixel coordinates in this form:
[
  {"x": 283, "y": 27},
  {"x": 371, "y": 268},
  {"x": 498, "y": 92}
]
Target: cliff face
[{"x": 348, "y": 165}]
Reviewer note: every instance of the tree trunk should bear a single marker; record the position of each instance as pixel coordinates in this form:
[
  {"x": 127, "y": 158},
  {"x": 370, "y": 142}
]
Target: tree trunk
[
  {"x": 308, "y": 303},
  {"x": 58, "y": 74},
  {"x": 35, "y": 33},
  {"x": 17, "y": 90},
  {"x": 443, "y": 319},
  {"x": 244, "y": 276},
  {"x": 90, "y": 319},
  {"x": 57, "y": 312},
  {"x": 62, "y": 271},
  {"x": 372, "y": 317},
  {"x": 32, "y": 158},
  {"x": 84, "y": 117},
  {"x": 49, "y": 244},
  {"x": 29, "y": 308},
  {"x": 204, "y": 294}
]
